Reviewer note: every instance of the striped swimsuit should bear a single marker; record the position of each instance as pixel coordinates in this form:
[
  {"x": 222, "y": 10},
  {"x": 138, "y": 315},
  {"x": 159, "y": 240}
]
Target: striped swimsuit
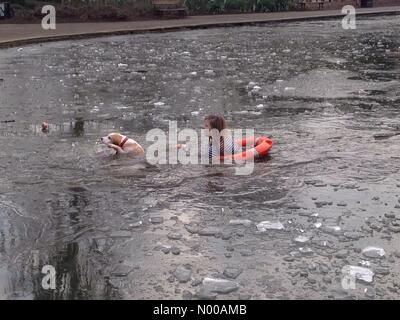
[{"x": 229, "y": 147}]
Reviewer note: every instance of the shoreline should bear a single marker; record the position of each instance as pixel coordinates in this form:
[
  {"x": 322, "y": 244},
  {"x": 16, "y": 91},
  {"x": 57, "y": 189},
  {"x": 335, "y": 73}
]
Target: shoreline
[{"x": 12, "y": 35}]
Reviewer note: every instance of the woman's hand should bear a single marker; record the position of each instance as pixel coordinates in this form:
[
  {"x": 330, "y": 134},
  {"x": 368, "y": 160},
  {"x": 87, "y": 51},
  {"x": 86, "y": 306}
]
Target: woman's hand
[{"x": 180, "y": 145}]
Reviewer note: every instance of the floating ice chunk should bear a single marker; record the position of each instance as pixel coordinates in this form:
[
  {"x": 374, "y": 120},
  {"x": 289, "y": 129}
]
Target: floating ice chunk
[
  {"x": 209, "y": 72},
  {"x": 267, "y": 225},
  {"x": 334, "y": 228},
  {"x": 286, "y": 50},
  {"x": 318, "y": 225},
  {"x": 364, "y": 263},
  {"x": 159, "y": 104},
  {"x": 373, "y": 252},
  {"x": 195, "y": 113},
  {"x": 279, "y": 80},
  {"x": 242, "y": 112},
  {"x": 306, "y": 250},
  {"x": 359, "y": 273},
  {"x": 301, "y": 239},
  {"x": 122, "y": 65},
  {"x": 289, "y": 88},
  {"x": 219, "y": 285},
  {"x": 259, "y": 106},
  {"x": 136, "y": 224},
  {"x": 244, "y": 222},
  {"x": 194, "y": 73}
]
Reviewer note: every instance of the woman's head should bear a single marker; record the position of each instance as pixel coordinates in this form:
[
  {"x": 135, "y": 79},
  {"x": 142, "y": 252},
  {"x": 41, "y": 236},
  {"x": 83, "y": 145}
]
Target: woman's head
[{"x": 214, "y": 122}]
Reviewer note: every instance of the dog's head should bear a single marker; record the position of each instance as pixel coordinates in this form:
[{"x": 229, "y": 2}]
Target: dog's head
[{"x": 112, "y": 138}]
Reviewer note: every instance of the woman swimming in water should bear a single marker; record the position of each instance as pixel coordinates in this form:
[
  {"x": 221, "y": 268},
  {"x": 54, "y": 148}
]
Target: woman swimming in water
[
  {"x": 216, "y": 128},
  {"x": 226, "y": 144}
]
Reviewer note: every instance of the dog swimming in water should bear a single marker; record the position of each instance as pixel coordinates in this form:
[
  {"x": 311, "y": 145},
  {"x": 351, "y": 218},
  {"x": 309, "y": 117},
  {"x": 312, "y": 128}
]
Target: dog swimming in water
[{"x": 122, "y": 144}]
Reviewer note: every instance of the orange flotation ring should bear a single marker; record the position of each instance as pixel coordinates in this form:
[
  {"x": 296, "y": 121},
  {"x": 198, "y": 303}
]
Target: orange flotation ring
[{"x": 260, "y": 147}]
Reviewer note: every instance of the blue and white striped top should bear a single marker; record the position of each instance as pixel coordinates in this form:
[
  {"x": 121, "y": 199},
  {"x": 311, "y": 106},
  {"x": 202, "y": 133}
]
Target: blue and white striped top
[{"x": 228, "y": 147}]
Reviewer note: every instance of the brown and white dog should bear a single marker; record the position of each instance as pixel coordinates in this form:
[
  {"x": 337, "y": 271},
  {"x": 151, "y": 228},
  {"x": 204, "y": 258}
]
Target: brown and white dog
[{"x": 122, "y": 144}]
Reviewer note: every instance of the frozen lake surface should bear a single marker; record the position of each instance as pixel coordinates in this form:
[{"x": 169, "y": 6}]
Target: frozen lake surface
[{"x": 322, "y": 207}]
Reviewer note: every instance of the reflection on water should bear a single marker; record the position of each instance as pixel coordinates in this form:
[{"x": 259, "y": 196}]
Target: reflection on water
[{"x": 117, "y": 228}]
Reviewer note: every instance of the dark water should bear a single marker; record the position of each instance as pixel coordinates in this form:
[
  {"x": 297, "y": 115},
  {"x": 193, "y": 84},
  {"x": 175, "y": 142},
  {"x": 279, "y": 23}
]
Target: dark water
[{"x": 328, "y": 97}]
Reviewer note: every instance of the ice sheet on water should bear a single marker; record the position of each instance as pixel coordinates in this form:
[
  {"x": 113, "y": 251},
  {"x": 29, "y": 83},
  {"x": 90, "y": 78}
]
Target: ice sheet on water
[{"x": 267, "y": 225}]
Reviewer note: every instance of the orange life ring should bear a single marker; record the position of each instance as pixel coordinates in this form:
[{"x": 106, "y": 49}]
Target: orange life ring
[{"x": 260, "y": 147}]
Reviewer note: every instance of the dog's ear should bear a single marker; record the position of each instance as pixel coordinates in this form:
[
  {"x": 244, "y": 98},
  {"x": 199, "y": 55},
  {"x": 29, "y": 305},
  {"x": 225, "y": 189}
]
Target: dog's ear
[
  {"x": 117, "y": 139},
  {"x": 113, "y": 138}
]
